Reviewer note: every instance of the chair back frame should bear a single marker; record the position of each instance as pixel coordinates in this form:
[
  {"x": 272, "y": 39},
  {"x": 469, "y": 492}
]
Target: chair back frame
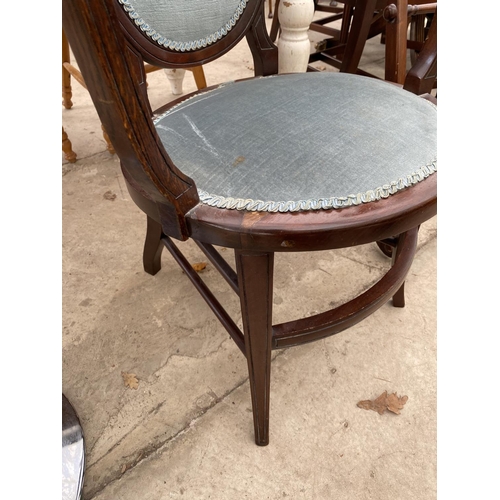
[
  {"x": 111, "y": 51},
  {"x": 250, "y": 23}
]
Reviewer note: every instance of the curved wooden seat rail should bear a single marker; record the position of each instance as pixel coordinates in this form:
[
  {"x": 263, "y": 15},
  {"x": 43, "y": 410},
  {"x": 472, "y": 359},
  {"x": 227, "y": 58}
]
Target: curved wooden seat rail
[{"x": 314, "y": 327}]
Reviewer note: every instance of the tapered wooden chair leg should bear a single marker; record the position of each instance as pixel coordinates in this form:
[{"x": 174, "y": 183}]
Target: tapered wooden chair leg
[
  {"x": 151, "y": 257},
  {"x": 398, "y": 299},
  {"x": 199, "y": 77},
  {"x": 176, "y": 79},
  {"x": 255, "y": 276}
]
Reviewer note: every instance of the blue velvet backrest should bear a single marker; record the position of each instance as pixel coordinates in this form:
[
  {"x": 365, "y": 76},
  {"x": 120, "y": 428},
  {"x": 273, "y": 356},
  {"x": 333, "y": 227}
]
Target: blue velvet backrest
[{"x": 185, "y": 25}]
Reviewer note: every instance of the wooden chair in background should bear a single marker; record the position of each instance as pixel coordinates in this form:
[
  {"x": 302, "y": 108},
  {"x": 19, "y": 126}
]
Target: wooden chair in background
[
  {"x": 69, "y": 70},
  {"x": 422, "y": 76},
  {"x": 362, "y": 20},
  {"x": 342, "y": 46}
]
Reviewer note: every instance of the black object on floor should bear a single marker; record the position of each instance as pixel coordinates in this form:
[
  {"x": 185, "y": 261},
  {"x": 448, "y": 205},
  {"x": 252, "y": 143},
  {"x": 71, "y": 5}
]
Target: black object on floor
[{"x": 73, "y": 453}]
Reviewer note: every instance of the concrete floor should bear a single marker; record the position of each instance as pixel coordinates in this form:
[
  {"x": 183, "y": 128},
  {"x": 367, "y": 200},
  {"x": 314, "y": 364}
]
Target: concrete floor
[{"x": 186, "y": 431}]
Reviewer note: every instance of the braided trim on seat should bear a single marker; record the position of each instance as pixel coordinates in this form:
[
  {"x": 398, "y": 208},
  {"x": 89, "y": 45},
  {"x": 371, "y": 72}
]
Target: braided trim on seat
[
  {"x": 183, "y": 46},
  {"x": 322, "y": 203}
]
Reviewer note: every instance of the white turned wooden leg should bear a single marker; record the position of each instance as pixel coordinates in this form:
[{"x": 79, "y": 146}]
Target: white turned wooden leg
[
  {"x": 294, "y": 47},
  {"x": 176, "y": 77}
]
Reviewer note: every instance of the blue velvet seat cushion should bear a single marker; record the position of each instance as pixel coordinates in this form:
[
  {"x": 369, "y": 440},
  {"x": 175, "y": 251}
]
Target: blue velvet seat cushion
[{"x": 301, "y": 142}]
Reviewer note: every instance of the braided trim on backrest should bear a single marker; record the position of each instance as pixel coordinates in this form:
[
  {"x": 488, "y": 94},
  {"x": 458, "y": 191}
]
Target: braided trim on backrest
[{"x": 176, "y": 45}]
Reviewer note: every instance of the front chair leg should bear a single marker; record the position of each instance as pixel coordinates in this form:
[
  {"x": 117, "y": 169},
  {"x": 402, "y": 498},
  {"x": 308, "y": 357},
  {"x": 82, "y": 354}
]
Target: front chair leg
[
  {"x": 255, "y": 278},
  {"x": 398, "y": 299},
  {"x": 151, "y": 257}
]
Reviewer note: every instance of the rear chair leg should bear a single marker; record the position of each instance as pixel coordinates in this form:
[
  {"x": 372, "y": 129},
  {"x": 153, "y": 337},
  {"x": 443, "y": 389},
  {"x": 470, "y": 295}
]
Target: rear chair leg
[
  {"x": 255, "y": 276},
  {"x": 151, "y": 257},
  {"x": 398, "y": 299}
]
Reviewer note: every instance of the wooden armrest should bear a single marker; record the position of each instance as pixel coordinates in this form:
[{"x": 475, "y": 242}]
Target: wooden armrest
[
  {"x": 425, "y": 8},
  {"x": 391, "y": 11},
  {"x": 421, "y": 76}
]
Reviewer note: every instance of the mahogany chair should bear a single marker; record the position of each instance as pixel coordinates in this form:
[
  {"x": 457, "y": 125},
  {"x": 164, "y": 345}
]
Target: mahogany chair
[{"x": 235, "y": 166}]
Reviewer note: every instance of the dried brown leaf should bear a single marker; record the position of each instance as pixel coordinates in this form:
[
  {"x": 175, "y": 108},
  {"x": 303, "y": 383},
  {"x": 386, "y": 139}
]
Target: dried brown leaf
[
  {"x": 130, "y": 380},
  {"x": 199, "y": 266},
  {"x": 391, "y": 402},
  {"x": 109, "y": 195},
  {"x": 395, "y": 403},
  {"x": 365, "y": 404}
]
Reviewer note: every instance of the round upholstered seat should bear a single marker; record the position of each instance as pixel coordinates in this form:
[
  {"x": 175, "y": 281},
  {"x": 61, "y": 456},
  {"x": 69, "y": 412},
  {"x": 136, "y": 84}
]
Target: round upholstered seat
[{"x": 301, "y": 142}]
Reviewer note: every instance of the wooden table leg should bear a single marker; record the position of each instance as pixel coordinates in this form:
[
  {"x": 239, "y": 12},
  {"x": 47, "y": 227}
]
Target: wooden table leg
[
  {"x": 176, "y": 78},
  {"x": 294, "y": 46}
]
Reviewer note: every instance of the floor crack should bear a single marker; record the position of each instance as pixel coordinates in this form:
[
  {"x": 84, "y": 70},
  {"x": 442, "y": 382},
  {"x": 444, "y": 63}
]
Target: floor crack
[{"x": 146, "y": 452}]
